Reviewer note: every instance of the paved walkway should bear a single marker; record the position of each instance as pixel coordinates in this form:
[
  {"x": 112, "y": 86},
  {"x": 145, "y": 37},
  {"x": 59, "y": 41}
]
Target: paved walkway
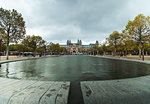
[
  {"x": 133, "y": 57},
  {"x": 126, "y": 91},
  {"x": 3, "y": 58},
  {"x": 14, "y": 91}
]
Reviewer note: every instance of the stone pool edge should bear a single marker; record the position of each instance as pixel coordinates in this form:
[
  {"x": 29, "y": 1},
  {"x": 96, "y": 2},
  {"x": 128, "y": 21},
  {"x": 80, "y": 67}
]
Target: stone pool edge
[
  {"x": 14, "y": 91},
  {"x": 121, "y": 91}
]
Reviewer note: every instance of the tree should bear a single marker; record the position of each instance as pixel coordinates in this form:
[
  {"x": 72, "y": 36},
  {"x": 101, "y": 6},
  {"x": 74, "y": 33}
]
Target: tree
[
  {"x": 33, "y": 42},
  {"x": 127, "y": 45},
  {"x": 114, "y": 40},
  {"x": 147, "y": 48},
  {"x": 138, "y": 29},
  {"x": 3, "y": 47},
  {"x": 61, "y": 49},
  {"x": 12, "y": 25},
  {"x": 12, "y": 47},
  {"x": 104, "y": 47},
  {"x": 2, "y": 44},
  {"x": 20, "y": 48},
  {"x": 55, "y": 48},
  {"x": 40, "y": 49}
]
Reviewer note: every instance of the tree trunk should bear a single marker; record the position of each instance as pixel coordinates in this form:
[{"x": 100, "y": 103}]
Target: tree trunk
[
  {"x": 146, "y": 53},
  {"x": 104, "y": 53},
  {"x": 23, "y": 53},
  {"x": 125, "y": 52},
  {"x": 115, "y": 52},
  {"x": 34, "y": 53},
  {"x": 7, "y": 49},
  {"x": 19, "y": 53},
  {"x": 140, "y": 50}
]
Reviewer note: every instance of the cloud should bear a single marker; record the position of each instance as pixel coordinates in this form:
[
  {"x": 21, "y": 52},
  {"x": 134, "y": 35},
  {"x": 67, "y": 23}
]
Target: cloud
[{"x": 89, "y": 20}]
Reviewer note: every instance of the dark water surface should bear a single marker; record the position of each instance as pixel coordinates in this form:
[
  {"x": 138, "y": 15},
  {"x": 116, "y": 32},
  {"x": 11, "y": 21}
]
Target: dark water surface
[{"x": 74, "y": 68}]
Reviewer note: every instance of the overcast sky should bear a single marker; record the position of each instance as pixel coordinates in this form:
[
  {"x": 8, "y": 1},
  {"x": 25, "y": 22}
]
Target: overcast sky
[{"x": 89, "y": 20}]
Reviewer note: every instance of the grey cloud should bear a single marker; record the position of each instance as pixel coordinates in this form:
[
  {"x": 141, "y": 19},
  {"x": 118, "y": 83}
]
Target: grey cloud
[{"x": 88, "y": 20}]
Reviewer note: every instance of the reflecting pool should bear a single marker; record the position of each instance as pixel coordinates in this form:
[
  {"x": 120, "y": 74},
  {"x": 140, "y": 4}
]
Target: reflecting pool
[{"x": 74, "y": 68}]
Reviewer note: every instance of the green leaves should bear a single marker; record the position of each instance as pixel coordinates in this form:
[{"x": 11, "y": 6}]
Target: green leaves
[
  {"x": 12, "y": 26},
  {"x": 115, "y": 39},
  {"x": 55, "y": 48},
  {"x": 138, "y": 29},
  {"x": 33, "y": 42}
]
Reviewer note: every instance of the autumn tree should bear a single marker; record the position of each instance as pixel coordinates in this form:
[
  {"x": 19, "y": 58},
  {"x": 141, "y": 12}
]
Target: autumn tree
[
  {"x": 61, "y": 49},
  {"x": 40, "y": 49},
  {"x": 12, "y": 47},
  {"x": 20, "y": 48},
  {"x": 138, "y": 29},
  {"x": 43, "y": 48},
  {"x": 128, "y": 45},
  {"x": 3, "y": 47},
  {"x": 33, "y": 42},
  {"x": 103, "y": 47},
  {"x": 2, "y": 44},
  {"x": 115, "y": 40},
  {"x": 55, "y": 48},
  {"x": 13, "y": 26},
  {"x": 147, "y": 39}
]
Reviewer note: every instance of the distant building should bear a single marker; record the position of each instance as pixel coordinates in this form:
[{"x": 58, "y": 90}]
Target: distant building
[
  {"x": 74, "y": 47},
  {"x": 77, "y": 47}
]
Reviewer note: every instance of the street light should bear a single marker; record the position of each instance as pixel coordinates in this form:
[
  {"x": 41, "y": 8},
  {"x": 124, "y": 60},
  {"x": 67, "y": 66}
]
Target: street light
[
  {"x": 143, "y": 51},
  {"x": 0, "y": 50}
]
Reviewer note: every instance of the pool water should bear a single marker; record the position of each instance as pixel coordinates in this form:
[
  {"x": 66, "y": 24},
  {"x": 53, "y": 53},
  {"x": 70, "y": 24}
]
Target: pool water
[{"x": 74, "y": 68}]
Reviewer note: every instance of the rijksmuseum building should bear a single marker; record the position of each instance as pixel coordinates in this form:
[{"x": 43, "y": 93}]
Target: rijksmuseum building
[{"x": 77, "y": 47}]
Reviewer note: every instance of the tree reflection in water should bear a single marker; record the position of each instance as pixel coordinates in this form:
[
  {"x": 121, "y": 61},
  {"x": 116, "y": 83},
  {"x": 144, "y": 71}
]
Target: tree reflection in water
[{"x": 7, "y": 71}]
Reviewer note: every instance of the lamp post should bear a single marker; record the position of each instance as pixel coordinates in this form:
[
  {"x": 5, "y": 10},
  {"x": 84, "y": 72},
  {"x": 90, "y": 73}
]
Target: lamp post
[
  {"x": 0, "y": 50},
  {"x": 143, "y": 51}
]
